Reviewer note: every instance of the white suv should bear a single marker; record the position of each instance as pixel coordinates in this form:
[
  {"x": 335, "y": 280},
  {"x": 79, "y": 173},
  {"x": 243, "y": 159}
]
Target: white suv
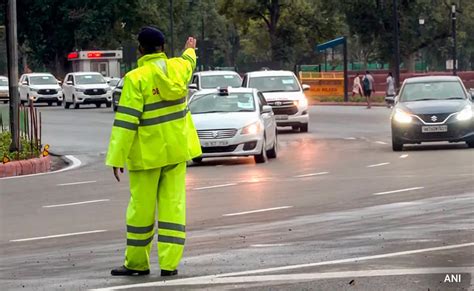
[
  {"x": 40, "y": 87},
  {"x": 285, "y": 94},
  {"x": 213, "y": 80},
  {"x": 86, "y": 88}
]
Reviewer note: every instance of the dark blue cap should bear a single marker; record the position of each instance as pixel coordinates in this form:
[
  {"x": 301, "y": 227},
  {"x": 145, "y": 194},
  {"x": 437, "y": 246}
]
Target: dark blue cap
[{"x": 150, "y": 36}]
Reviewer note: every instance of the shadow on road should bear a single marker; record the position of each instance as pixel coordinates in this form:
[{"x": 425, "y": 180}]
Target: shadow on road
[
  {"x": 224, "y": 162},
  {"x": 434, "y": 147}
]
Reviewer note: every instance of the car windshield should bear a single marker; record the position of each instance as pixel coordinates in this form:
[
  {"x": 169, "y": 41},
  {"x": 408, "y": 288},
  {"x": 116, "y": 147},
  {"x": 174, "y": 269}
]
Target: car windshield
[
  {"x": 89, "y": 79},
  {"x": 436, "y": 90},
  {"x": 223, "y": 81},
  {"x": 274, "y": 83},
  {"x": 211, "y": 103},
  {"x": 43, "y": 80},
  {"x": 3, "y": 82}
]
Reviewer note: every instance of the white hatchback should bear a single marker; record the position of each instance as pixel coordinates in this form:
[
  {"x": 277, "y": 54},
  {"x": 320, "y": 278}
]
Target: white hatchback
[
  {"x": 86, "y": 88},
  {"x": 285, "y": 94},
  {"x": 234, "y": 122}
]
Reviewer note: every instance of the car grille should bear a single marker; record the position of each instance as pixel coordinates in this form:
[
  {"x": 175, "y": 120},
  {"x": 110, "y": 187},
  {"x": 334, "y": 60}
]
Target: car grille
[
  {"x": 226, "y": 149},
  {"x": 215, "y": 134},
  {"x": 47, "y": 92},
  {"x": 429, "y": 118},
  {"x": 285, "y": 110},
  {"x": 95, "y": 92}
]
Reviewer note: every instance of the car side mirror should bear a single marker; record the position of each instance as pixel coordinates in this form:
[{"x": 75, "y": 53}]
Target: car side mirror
[
  {"x": 306, "y": 87},
  {"x": 24, "y": 83},
  {"x": 266, "y": 109},
  {"x": 192, "y": 86},
  {"x": 396, "y": 99},
  {"x": 69, "y": 83},
  {"x": 60, "y": 83}
]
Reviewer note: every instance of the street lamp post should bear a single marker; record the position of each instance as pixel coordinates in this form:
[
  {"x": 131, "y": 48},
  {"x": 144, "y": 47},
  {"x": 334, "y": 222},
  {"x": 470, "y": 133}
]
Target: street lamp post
[
  {"x": 171, "y": 29},
  {"x": 12, "y": 56},
  {"x": 453, "y": 18},
  {"x": 396, "y": 43}
]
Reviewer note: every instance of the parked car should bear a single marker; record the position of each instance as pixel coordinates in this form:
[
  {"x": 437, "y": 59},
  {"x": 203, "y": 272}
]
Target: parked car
[
  {"x": 116, "y": 93},
  {"x": 40, "y": 88},
  {"x": 86, "y": 88},
  {"x": 431, "y": 109},
  {"x": 214, "y": 80},
  {"x": 4, "y": 93},
  {"x": 285, "y": 94},
  {"x": 234, "y": 122}
]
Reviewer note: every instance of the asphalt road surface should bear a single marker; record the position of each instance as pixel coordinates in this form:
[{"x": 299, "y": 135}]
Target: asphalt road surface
[{"x": 338, "y": 210}]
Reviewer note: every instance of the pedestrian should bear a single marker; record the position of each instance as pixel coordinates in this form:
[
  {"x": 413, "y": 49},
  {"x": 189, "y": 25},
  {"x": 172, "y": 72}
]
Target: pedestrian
[
  {"x": 390, "y": 92},
  {"x": 368, "y": 86},
  {"x": 356, "y": 87},
  {"x": 154, "y": 135}
]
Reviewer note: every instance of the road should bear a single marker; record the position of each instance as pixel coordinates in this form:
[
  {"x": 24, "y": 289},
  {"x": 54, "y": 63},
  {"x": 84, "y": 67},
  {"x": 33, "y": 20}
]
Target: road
[{"x": 338, "y": 210}]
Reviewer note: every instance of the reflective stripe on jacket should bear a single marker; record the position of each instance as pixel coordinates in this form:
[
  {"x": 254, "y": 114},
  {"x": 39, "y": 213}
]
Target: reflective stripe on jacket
[{"x": 153, "y": 127}]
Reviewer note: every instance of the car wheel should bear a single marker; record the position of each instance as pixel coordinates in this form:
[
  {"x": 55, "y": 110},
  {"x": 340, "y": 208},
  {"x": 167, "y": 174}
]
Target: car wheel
[
  {"x": 262, "y": 156},
  {"x": 76, "y": 105},
  {"x": 66, "y": 104},
  {"x": 97, "y": 105},
  {"x": 470, "y": 144},
  {"x": 397, "y": 145},
  {"x": 59, "y": 103},
  {"x": 197, "y": 160},
  {"x": 304, "y": 127},
  {"x": 114, "y": 107},
  {"x": 108, "y": 104},
  {"x": 273, "y": 152},
  {"x": 5, "y": 101}
]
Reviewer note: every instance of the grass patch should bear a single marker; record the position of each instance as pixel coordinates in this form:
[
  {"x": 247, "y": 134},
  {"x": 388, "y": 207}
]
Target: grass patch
[{"x": 28, "y": 151}]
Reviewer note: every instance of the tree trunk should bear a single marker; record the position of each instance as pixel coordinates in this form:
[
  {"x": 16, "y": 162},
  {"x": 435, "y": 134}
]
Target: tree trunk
[{"x": 410, "y": 62}]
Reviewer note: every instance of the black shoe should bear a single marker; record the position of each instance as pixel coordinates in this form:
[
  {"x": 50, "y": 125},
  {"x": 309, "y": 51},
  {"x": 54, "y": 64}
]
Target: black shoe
[
  {"x": 123, "y": 271},
  {"x": 165, "y": 273}
]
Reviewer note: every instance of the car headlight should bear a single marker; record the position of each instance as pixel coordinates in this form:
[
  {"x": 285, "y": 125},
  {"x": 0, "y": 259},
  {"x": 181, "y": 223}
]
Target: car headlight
[
  {"x": 252, "y": 128},
  {"x": 33, "y": 89},
  {"x": 402, "y": 117},
  {"x": 80, "y": 90},
  {"x": 465, "y": 114},
  {"x": 303, "y": 102},
  {"x": 109, "y": 89}
]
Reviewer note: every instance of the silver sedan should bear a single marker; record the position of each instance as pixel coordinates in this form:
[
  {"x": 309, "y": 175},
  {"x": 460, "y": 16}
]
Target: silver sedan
[{"x": 234, "y": 122}]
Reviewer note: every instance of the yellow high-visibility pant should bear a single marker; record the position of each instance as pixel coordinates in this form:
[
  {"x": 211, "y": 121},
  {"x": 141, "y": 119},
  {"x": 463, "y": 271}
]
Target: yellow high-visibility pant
[{"x": 166, "y": 187}]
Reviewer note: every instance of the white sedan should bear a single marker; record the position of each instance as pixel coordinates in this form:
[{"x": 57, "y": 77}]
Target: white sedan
[{"x": 234, "y": 122}]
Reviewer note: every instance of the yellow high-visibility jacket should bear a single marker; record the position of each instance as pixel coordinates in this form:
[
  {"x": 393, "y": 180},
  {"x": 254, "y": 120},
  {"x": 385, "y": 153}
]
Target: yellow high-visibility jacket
[{"x": 153, "y": 126}]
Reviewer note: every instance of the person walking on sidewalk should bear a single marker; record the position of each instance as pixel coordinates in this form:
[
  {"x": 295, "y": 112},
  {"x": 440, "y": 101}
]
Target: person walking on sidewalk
[
  {"x": 390, "y": 92},
  {"x": 154, "y": 135},
  {"x": 356, "y": 87},
  {"x": 368, "y": 86}
]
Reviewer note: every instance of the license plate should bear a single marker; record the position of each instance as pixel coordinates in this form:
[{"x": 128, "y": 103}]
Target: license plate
[
  {"x": 281, "y": 117},
  {"x": 221, "y": 143},
  {"x": 438, "y": 128}
]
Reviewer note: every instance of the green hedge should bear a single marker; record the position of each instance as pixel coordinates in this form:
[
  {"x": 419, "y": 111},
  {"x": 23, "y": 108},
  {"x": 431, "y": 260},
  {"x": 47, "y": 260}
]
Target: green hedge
[
  {"x": 28, "y": 151},
  {"x": 357, "y": 98}
]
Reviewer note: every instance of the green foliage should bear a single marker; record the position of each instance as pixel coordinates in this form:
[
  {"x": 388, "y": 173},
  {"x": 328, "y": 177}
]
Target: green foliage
[{"x": 27, "y": 151}]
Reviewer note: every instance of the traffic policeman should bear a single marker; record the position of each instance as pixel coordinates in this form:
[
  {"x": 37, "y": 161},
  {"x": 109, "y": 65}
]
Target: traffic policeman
[{"x": 153, "y": 135}]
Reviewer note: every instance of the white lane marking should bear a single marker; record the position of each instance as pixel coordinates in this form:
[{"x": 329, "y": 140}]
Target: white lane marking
[
  {"x": 58, "y": 235},
  {"x": 77, "y": 183},
  {"x": 380, "y": 142},
  {"x": 258, "y": 210},
  {"x": 398, "y": 191},
  {"x": 75, "y": 163},
  {"x": 76, "y": 203},
  {"x": 350, "y": 138},
  {"x": 198, "y": 280},
  {"x": 270, "y": 245},
  {"x": 403, "y": 156},
  {"x": 311, "y": 175},
  {"x": 216, "y": 186},
  {"x": 378, "y": 165}
]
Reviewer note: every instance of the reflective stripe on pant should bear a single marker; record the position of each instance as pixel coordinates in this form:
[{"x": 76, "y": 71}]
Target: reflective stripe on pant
[{"x": 165, "y": 186}]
